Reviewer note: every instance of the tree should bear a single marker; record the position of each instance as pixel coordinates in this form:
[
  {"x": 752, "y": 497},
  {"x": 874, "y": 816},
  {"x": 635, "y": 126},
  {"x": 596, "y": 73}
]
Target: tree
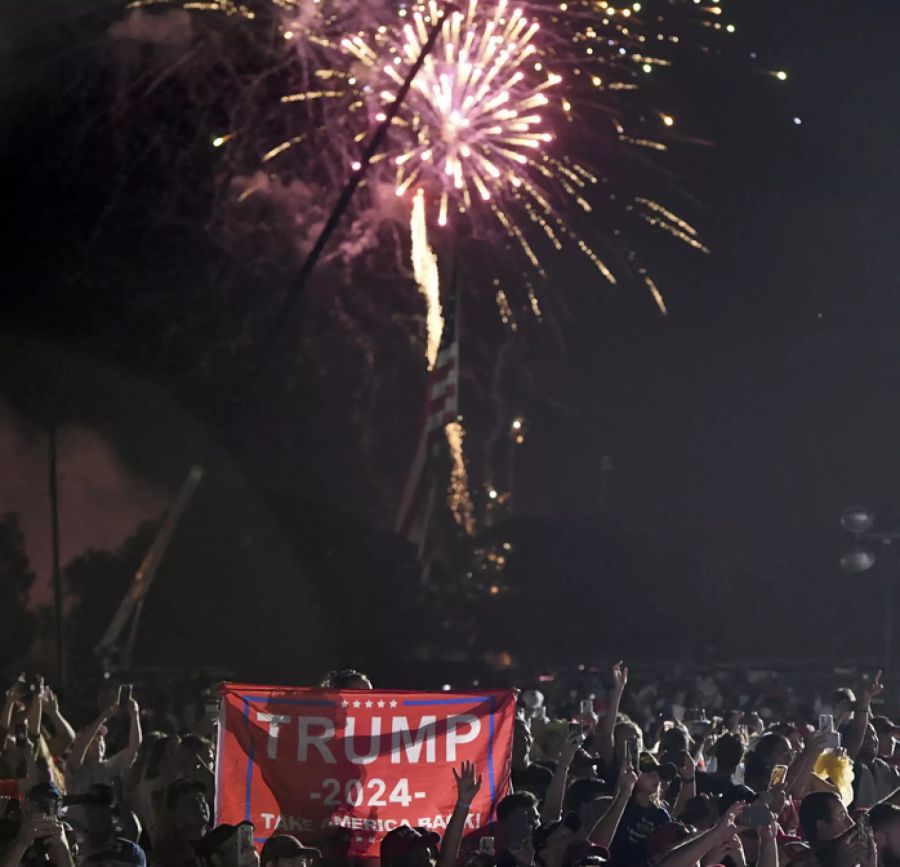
[
  {"x": 16, "y": 578},
  {"x": 97, "y": 582}
]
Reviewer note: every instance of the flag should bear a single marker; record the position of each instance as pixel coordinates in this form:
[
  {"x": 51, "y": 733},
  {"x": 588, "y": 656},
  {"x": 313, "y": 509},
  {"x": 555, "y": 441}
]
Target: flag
[{"x": 441, "y": 407}]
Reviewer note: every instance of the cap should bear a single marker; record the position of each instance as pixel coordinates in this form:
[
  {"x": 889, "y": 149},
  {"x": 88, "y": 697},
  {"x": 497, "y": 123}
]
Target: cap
[
  {"x": 403, "y": 841},
  {"x": 665, "y": 838},
  {"x": 122, "y": 851},
  {"x": 213, "y": 839},
  {"x": 884, "y": 726},
  {"x": 183, "y": 787},
  {"x": 649, "y": 764},
  {"x": 43, "y": 791},
  {"x": 285, "y": 846}
]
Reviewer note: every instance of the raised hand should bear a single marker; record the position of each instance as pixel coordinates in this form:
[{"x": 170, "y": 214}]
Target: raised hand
[
  {"x": 620, "y": 677},
  {"x": 50, "y": 701},
  {"x": 467, "y": 784},
  {"x": 688, "y": 766},
  {"x": 873, "y": 688},
  {"x": 627, "y": 780}
]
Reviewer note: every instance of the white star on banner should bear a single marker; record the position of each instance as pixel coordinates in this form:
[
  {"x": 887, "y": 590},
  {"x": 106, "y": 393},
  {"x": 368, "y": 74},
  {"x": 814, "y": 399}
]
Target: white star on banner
[
  {"x": 393, "y": 704},
  {"x": 357, "y": 703},
  {"x": 369, "y": 703},
  {"x": 345, "y": 703},
  {"x": 381, "y": 704}
]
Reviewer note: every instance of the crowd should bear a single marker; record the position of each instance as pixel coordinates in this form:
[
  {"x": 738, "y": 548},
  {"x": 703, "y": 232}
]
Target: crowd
[{"x": 692, "y": 772}]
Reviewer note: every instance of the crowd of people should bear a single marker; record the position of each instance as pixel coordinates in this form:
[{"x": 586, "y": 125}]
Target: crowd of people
[{"x": 705, "y": 773}]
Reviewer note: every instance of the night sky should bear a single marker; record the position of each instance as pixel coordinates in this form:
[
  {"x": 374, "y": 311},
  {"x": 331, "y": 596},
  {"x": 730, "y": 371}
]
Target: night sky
[{"x": 740, "y": 425}]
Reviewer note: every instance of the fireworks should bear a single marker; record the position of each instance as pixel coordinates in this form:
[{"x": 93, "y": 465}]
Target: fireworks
[{"x": 498, "y": 134}]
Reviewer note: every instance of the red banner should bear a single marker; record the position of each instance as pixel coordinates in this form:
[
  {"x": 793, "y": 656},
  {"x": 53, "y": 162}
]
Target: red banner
[{"x": 339, "y": 769}]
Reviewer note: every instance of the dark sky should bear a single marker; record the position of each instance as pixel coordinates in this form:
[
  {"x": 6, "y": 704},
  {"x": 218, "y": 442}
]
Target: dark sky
[{"x": 740, "y": 425}]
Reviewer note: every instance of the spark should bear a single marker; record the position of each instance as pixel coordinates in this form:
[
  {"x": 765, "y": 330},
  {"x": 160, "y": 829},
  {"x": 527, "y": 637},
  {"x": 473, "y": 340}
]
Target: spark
[
  {"x": 425, "y": 271},
  {"x": 459, "y": 497}
]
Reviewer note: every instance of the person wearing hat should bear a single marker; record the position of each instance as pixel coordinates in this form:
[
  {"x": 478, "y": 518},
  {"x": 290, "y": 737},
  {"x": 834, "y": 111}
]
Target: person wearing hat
[
  {"x": 418, "y": 847},
  {"x": 229, "y": 846},
  {"x": 643, "y": 814},
  {"x": 884, "y": 819},
  {"x": 283, "y": 850},
  {"x": 185, "y": 823},
  {"x": 41, "y": 836}
]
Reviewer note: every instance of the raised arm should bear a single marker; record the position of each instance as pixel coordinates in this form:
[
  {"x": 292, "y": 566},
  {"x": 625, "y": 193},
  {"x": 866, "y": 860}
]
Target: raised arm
[
  {"x": 33, "y": 719},
  {"x": 85, "y": 737},
  {"x": 467, "y": 787},
  {"x": 691, "y": 851},
  {"x": 768, "y": 845},
  {"x": 861, "y": 714},
  {"x": 603, "y": 832},
  {"x": 135, "y": 736},
  {"x": 63, "y": 733},
  {"x": 688, "y": 789},
  {"x": 606, "y": 738},
  {"x": 800, "y": 771},
  {"x": 556, "y": 791}
]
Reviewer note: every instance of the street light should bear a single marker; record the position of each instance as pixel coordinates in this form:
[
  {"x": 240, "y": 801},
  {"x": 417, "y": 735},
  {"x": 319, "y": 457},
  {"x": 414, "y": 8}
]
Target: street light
[
  {"x": 858, "y": 559},
  {"x": 858, "y": 521}
]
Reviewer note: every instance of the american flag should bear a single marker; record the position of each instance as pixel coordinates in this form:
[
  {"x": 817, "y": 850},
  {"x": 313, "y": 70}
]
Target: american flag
[{"x": 441, "y": 407}]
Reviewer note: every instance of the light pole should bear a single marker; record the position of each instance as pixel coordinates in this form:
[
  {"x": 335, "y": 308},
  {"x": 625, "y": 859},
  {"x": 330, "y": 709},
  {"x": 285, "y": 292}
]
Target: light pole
[{"x": 859, "y": 521}]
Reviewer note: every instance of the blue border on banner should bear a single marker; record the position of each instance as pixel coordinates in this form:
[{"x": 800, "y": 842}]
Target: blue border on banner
[{"x": 475, "y": 699}]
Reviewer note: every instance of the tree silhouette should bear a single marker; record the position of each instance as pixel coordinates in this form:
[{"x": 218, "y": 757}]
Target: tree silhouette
[{"x": 16, "y": 621}]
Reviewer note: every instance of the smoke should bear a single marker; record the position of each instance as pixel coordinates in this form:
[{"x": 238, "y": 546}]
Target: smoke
[
  {"x": 100, "y": 501},
  {"x": 171, "y": 28}
]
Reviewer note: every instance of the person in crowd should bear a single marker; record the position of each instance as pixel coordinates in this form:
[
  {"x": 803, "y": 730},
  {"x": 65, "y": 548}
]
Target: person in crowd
[
  {"x": 184, "y": 824},
  {"x": 88, "y": 763},
  {"x": 229, "y": 846},
  {"x": 823, "y": 817},
  {"x": 283, "y": 850},
  {"x": 417, "y": 847},
  {"x": 346, "y": 678},
  {"x": 884, "y": 819},
  {"x": 728, "y": 751}
]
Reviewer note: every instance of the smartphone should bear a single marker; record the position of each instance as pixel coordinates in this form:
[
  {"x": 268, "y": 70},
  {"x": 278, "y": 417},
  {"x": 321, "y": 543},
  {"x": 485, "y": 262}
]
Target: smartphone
[
  {"x": 778, "y": 776},
  {"x": 587, "y": 706},
  {"x": 124, "y": 700},
  {"x": 246, "y": 853},
  {"x": 576, "y": 729},
  {"x": 211, "y": 706},
  {"x": 632, "y": 758},
  {"x": 833, "y": 741},
  {"x": 486, "y": 845},
  {"x": 826, "y": 722},
  {"x": 21, "y": 735}
]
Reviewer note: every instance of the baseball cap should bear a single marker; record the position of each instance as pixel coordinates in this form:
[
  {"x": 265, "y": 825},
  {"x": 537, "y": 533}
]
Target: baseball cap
[
  {"x": 649, "y": 764},
  {"x": 404, "y": 841},
  {"x": 285, "y": 846},
  {"x": 122, "y": 851}
]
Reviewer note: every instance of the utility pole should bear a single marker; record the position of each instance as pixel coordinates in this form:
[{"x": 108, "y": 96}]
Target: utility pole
[{"x": 61, "y": 655}]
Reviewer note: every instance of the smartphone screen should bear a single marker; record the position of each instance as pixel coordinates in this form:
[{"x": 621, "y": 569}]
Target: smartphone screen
[
  {"x": 779, "y": 774},
  {"x": 826, "y": 722},
  {"x": 486, "y": 845},
  {"x": 124, "y": 695},
  {"x": 587, "y": 706}
]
